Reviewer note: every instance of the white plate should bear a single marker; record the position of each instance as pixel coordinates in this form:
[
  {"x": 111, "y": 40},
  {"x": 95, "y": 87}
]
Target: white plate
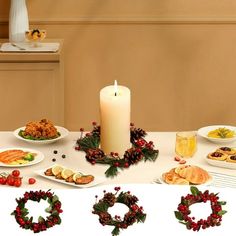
[
  {"x": 161, "y": 181},
  {"x": 224, "y": 164},
  {"x": 205, "y": 130},
  {"x": 97, "y": 179},
  {"x": 63, "y": 131},
  {"x": 38, "y": 158}
]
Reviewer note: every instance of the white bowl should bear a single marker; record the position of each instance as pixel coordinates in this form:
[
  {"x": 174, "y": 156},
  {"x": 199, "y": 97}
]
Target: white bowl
[{"x": 205, "y": 130}]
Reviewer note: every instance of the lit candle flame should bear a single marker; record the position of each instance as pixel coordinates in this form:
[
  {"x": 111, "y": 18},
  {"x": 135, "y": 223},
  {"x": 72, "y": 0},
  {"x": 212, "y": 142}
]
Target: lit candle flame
[{"x": 115, "y": 88}]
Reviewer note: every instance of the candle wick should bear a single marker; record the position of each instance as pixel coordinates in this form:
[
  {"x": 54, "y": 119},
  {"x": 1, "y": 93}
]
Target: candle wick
[{"x": 115, "y": 94}]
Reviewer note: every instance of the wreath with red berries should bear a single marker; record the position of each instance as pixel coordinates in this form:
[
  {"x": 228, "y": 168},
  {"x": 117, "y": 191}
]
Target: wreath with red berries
[
  {"x": 214, "y": 219},
  {"x": 140, "y": 150},
  {"x": 26, "y": 222},
  {"x": 135, "y": 213}
]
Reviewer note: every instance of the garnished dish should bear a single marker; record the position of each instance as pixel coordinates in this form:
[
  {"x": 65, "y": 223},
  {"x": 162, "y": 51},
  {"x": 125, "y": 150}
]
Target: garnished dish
[
  {"x": 221, "y": 133},
  {"x": 218, "y": 133},
  {"x": 71, "y": 177},
  {"x": 223, "y": 157},
  {"x": 42, "y": 131},
  {"x": 16, "y": 157},
  {"x": 35, "y": 35},
  {"x": 39, "y": 130},
  {"x": 186, "y": 175}
]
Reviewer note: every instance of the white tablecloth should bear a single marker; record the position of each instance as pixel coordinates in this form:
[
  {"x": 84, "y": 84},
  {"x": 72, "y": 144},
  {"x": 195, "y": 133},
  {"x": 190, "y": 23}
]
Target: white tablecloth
[{"x": 144, "y": 172}]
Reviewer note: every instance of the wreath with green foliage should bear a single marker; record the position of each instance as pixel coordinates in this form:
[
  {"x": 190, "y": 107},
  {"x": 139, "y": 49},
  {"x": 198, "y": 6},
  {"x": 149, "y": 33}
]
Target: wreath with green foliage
[
  {"x": 26, "y": 222},
  {"x": 135, "y": 213},
  {"x": 140, "y": 150},
  {"x": 214, "y": 219}
]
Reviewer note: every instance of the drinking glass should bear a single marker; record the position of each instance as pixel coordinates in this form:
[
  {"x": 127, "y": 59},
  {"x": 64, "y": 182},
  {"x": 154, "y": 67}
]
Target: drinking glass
[{"x": 186, "y": 143}]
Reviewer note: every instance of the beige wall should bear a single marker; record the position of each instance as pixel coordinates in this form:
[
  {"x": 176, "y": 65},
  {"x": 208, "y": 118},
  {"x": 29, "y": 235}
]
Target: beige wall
[{"x": 178, "y": 57}]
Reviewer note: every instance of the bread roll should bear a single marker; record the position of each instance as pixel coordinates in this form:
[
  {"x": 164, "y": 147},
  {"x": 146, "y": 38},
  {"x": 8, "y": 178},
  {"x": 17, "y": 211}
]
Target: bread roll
[
  {"x": 172, "y": 178},
  {"x": 193, "y": 174}
]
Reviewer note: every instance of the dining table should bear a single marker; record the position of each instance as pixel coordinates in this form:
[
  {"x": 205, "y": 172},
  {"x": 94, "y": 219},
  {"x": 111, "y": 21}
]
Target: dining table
[
  {"x": 158, "y": 200},
  {"x": 63, "y": 153}
]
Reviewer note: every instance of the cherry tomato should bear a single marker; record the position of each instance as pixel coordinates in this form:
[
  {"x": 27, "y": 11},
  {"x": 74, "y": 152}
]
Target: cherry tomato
[
  {"x": 2, "y": 180},
  {"x": 17, "y": 182},
  {"x": 16, "y": 173},
  {"x": 32, "y": 181},
  {"x": 10, "y": 180}
]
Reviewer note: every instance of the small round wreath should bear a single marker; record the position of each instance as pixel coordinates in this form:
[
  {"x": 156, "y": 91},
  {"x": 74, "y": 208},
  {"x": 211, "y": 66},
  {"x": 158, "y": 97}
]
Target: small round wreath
[
  {"x": 214, "y": 219},
  {"x": 135, "y": 213},
  {"x": 140, "y": 150},
  {"x": 26, "y": 222}
]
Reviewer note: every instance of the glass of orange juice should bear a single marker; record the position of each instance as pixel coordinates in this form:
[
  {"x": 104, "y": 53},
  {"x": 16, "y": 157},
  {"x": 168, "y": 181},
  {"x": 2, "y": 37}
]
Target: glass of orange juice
[{"x": 186, "y": 143}]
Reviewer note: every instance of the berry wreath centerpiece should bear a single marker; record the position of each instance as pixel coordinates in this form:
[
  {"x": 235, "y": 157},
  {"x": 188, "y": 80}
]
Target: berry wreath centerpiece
[
  {"x": 140, "y": 150},
  {"x": 134, "y": 214},
  {"x": 183, "y": 211},
  {"x": 26, "y": 222}
]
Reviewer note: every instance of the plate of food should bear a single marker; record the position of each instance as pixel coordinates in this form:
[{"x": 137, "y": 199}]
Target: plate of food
[
  {"x": 17, "y": 157},
  {"x": 41, "y": 132},
  {"x": 223, "y": 157},
  {"x": 218, "y": 133},
  {"x": 186, "y": 175},
  {"x": 64, "y": 175}
]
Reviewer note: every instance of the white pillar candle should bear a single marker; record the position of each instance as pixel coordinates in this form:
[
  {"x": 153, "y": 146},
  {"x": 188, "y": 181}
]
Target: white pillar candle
[{"x": 115, "y": 119}]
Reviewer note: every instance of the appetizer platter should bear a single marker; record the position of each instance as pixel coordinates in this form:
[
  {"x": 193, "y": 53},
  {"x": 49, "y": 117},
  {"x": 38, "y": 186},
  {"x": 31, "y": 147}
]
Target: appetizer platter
[
  {"x": 186, "y": 175},
  {"x": 41, "y": 132},
  {"x": 17, "y": 157},
  {"x": 64, "y": 175},
  {"x": 218, "y": 133},
  {"x": 223, "y": 157}
]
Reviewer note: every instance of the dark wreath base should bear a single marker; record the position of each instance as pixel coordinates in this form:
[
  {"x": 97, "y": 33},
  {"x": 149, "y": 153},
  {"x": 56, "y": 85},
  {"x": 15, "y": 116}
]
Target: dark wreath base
[
  {"x": 140, "y": 150},
  {"x": 135, "y": 213},
  {"x": 214, "y": 219},
  {"x": 26, "y": 222}
]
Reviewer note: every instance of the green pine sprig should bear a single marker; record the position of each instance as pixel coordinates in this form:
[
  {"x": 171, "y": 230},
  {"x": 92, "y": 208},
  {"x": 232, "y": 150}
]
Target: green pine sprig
[{"x": 92, "y": 141}]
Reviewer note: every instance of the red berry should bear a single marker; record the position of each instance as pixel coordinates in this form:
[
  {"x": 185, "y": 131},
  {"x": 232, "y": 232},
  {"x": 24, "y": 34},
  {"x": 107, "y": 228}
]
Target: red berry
[
  {"x": 93, "y": 162},
  {"x": 126, "y": 165},
  {"x": 32, "y": 181},
  {"x": 16, "y": 173},
  {"x": 81, "y": 129},
  {"x": 116, "y": 164},
  {"x": 94, "y": 123}
]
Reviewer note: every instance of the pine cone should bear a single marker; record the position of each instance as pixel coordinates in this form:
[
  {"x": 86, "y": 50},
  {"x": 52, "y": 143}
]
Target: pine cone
[
  {"x": 104, "y": 218},
  {"x": 109, "y": 198},
  {"x": 94, "y": 154},
  {"x": 133, "y": 155},
  {"x": 136, "y": 133},
  {"x": 130, "y": 200},
  {"x": 96, "y": 131},
  {"x": 129, "y": 218}
]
